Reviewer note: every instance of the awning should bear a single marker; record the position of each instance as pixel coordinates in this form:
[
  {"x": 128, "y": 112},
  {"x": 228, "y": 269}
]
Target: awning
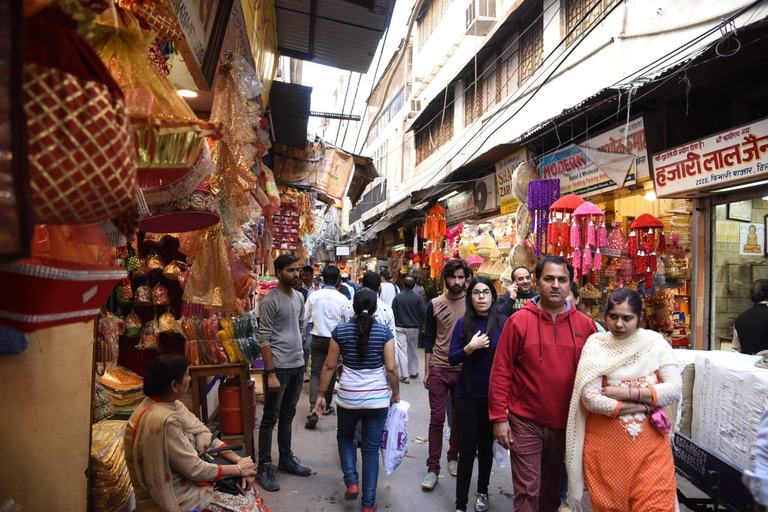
[
  {"x": 365, "y": 172},
  {"x": 339, "y": 33}
]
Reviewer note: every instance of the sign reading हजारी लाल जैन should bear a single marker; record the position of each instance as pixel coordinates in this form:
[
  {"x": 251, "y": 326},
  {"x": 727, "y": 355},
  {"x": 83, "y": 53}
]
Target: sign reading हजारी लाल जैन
[{"x": 724, "y": 159}]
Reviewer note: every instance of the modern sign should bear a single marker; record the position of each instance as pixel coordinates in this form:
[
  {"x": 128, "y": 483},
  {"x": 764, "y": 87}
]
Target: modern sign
[
  {"x": 602, "y": 163},
  {"x": 342, "y": 250},
  {"x": 504, "y": 169},
  {"x": 725, "y": 159}
]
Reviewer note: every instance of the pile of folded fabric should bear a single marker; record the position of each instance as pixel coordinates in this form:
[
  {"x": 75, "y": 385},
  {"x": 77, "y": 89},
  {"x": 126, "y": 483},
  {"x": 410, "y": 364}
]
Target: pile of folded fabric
[
  {"x": 125, "y": 389},
  {"x": 111, "y": 489}
]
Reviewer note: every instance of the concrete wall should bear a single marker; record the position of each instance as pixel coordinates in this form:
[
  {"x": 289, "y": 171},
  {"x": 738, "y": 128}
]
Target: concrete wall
[
  {"x": 732, "y": 282},
  {"x": 45, "y": 406}
]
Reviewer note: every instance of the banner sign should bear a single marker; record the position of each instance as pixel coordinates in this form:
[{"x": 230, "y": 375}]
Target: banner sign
[
  {"x": 603, "y": 163},
  {"x": 459, "y": 207},
  {"x": 727, "y": 158},
  {"x": 504, "y": 169},
  {"x": 333, "y": 174},
  {"x": 612, "y": 141}
]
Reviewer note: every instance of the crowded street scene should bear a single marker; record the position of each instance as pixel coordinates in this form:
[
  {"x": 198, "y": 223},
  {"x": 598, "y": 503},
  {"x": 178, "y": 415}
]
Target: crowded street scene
[{"x": 384, "y": 255}]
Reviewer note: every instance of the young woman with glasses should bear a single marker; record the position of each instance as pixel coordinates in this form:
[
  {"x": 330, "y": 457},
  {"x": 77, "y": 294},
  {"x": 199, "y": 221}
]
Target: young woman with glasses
[{"x": 475, "y": 337}]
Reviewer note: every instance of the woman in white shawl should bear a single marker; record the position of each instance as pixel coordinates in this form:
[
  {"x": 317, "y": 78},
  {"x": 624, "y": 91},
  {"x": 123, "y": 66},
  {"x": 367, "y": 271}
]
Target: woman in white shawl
[
  {"x": 163, "y": 442},
  {"x": 616, "y": 442}
]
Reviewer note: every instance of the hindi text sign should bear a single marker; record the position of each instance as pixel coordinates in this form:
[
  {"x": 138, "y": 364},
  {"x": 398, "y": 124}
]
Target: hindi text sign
[{"x": 724, "y": 159}]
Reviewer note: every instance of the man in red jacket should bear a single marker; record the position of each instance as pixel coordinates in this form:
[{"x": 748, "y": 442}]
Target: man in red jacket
[{"x": 531, "y": 385}]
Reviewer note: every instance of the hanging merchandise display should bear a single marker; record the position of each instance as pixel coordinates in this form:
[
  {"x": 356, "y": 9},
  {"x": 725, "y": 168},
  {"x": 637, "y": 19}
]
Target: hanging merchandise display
[
  {"x": 541, "y": 195},
  {"x": 588, "y": 235},
  {"x": 286, "y": 227},
  {"x": 523, "y": 252},
  {"x": 168, "y": 137},
  {"x": 80, "y": 156},
  {"x": 198, "y": 210},
  {"x": 642, "y": 244},
  {"x": 210, "y": 279},
  {"x": 184, "y": 186},
  {"x": 74, "y": 292},
  {"x": 434, "y": 232},
  {"x": 559, "y": 227},
  {"x": 616, "y": 245}
]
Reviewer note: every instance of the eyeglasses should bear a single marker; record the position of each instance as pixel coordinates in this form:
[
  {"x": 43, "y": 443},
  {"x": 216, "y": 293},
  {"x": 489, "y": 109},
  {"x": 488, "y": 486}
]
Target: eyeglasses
[{"x": 478, "y": 293}]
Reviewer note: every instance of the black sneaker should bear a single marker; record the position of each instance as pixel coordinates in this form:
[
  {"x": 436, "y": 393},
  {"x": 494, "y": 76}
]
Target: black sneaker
[
  {"x": 311, "y": 421},
  {"x": 267, "y": 477},
  {"x": 293, "y": 467}
]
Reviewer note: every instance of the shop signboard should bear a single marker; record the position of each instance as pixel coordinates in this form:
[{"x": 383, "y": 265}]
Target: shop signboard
[
  {"x": 333, "y": 174},
  {"x": 342, "y": 250},
  {"x": 204, "y": 24},
  {"x": 459, "y": 207},
  {"x": 722, "y": 160},
  {"x": 604, "y": 162},
  {"x": 504, "y": 169}
]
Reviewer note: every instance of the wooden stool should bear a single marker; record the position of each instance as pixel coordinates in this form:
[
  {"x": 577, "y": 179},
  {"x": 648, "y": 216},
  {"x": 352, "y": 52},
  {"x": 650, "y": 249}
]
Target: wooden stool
[{"x": 200, "y": 373}]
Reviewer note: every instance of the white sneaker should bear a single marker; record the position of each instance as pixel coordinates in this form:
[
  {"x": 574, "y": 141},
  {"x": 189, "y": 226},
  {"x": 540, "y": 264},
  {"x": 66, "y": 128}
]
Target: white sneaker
[
  {"x": 481, "y": 503},
  {"x": 429, "y": 481},
  {"x": 453, "y": 467}
]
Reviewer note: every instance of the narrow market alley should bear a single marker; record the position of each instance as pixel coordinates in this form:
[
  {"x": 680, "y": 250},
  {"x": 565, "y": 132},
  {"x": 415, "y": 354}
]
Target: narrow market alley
[{"x": 400, "y": 491}]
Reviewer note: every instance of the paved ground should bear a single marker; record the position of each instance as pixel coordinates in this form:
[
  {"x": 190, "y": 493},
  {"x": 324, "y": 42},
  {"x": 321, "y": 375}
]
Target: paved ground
[{"x": 400, "y": 491}]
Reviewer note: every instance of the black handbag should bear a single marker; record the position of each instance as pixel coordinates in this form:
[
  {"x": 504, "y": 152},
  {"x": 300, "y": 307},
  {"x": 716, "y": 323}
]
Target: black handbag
[{"x": 230, "y": 485}]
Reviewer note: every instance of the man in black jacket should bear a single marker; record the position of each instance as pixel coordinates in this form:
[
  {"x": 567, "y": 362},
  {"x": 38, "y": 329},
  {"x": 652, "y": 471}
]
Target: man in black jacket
[
  {"x": 409, "y": 309},
  {"x": 751, "y": 333},
  {"x": 520, "y": 292}
]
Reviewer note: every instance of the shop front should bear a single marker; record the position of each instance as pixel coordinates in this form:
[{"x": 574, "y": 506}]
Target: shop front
[{"x": 727, "y": 174}]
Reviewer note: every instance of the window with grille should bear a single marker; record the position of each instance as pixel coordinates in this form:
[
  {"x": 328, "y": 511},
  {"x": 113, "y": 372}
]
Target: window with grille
[
  {"x": 430, "y": 19},
  {"x": 470, "y": 110},
  {"x": 531, "y": 46},
  {"x": 437, "y": 133},
  {"x": 580, "y": 14},
  {"x": 508, "y": 65}
]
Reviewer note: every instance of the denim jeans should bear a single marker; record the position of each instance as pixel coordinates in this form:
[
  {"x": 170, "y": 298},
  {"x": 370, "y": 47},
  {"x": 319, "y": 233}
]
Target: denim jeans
[
  {"x": 279, "y": 408},
  {"x": 373, "y": 421}
]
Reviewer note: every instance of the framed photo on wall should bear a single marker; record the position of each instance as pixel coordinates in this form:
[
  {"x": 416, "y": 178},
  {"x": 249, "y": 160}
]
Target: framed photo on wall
[{"x": 740, "y": 210}]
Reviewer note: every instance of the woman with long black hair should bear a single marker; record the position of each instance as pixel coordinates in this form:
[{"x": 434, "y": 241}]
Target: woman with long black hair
[
  {"x": 475, "y": 337},
  {"x": 369, "y": 371}
]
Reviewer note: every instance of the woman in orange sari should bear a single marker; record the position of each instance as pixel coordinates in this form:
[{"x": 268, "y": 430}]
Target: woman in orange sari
[{"x": 616, "y": 441}]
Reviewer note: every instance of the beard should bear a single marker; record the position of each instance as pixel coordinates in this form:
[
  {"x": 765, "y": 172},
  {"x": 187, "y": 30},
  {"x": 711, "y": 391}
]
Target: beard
[{"x": 456, "y": 289}]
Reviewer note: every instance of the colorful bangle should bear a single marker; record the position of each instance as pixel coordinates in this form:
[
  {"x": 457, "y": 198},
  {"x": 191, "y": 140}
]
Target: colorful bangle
[{"x": 321, "y": 391}]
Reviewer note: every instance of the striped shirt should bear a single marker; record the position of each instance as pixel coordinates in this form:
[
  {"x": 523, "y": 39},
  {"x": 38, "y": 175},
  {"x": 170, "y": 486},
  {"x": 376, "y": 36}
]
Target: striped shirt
[{"x": 363, "y": 383}]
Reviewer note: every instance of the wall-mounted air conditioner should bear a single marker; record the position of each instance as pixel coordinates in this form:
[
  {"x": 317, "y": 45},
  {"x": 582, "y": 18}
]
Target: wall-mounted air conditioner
[
  {"x": 480, "y": 17},
  {"x": 415, "y": 108}
]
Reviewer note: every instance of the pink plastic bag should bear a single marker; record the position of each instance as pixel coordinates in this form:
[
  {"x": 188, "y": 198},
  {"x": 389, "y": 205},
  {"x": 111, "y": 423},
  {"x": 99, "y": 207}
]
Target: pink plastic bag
[{"x": 660, "y": 421}]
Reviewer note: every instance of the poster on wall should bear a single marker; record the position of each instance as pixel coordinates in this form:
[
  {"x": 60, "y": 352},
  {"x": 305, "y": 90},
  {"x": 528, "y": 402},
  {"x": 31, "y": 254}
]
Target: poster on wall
[
  {"x": 504, "y": 169},
  {"x": 719, "y": 161},
  {"x": 604, "y": 162},
  {"x": 751, "y": 239}
]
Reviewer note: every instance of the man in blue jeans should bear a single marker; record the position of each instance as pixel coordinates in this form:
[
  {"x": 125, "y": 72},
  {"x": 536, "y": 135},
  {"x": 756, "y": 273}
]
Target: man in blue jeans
[{"x": 280, "y": 326}]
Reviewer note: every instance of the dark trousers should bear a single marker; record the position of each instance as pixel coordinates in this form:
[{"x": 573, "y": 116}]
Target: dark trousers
[
  {"x": 536, "y": 458},
  {"x": 442, "y": 387},
  {"x": 279, "y": 408},
  {"x": 475, "y": 433},
  {"x": 373, "y": 422},
  {"x": 319, "y": 351}
]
